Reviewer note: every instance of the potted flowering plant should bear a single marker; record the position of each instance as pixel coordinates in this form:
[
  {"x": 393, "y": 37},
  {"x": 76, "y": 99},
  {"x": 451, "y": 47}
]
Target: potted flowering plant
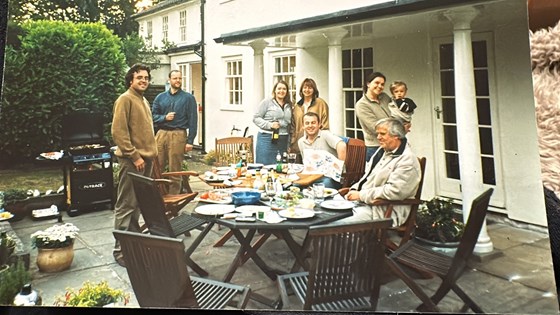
[
  {"x": 439, "y": 223},
  {"x": 93, "y": 295},
  {"x": 55, "y": 247},
  {"x": 56, "y": 236}
]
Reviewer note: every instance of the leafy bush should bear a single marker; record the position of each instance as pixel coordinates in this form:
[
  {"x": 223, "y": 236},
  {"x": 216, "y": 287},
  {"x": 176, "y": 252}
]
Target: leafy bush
[
  {"x": 210, "y": 157},
  {"x": 11, "y": 281},
  {"x": 59, "y": 67},
  {"x": 90, "y": 295}
]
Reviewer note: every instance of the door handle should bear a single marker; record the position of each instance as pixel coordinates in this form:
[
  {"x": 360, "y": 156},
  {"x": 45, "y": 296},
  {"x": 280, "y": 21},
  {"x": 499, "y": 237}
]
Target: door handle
[{"x": 438, "y": 111}]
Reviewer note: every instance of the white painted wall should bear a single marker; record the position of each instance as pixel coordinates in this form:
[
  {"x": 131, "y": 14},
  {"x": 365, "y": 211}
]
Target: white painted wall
[{"x": 403, "y": 53}]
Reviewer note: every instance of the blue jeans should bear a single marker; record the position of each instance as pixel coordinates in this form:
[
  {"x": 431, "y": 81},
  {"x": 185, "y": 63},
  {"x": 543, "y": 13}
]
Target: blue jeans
[{"x": 266, "y": 149}]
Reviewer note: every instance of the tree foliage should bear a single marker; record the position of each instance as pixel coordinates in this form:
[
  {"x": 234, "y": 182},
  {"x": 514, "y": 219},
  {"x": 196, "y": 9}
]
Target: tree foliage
[
  {"x": 60, "y": 66},
  {"x": 115, "y": 14}
]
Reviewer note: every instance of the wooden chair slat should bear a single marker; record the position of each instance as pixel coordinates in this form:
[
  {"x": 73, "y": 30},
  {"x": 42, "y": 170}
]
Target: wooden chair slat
[
  {"x": 449, "y": 269},
  {"x": 157, "y": 269},
  {"x": 342, "y": 269}
]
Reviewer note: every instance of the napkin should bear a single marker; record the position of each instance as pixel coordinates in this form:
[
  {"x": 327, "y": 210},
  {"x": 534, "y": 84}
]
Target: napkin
[{"x": 273, "y": 217}]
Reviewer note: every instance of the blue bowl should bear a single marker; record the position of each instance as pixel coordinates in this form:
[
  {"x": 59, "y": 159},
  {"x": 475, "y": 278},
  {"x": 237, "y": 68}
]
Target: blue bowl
[{"x": 241, "y": 198}]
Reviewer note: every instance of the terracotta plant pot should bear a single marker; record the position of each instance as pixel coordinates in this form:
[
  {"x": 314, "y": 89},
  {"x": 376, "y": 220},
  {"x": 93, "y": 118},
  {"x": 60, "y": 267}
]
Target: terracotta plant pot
[{"x": 55, "y": 259}]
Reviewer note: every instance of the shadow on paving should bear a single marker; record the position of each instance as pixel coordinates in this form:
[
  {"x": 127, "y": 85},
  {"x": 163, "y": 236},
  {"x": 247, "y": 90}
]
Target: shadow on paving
[{"x": 520, "y": 281}]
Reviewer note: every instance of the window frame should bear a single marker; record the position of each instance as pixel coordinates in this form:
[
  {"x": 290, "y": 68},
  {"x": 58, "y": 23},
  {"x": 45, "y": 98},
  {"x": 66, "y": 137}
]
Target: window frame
[
  {"x": 228, "y": 104},
  {"x": 183, "y": 25}
]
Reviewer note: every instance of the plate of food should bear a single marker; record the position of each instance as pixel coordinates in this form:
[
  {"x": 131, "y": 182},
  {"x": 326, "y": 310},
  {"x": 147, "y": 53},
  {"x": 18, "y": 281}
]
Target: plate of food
[
  {"x": 6, "y": 215},
  {"x": 214, "y": 209},
  {"x": 215, "y": 178},
  {"x": 220, "y": 196},
  {"x": 296, "y": 213},
  {"x": 52, "y": 155},
  {"x": 337, "y": 204}
]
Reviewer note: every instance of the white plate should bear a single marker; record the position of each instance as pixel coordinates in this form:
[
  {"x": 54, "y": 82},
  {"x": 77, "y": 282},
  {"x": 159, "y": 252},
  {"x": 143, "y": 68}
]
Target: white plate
[
  {"x": 337, "y": 204},
  {"x": 7, "y": 218},
  {"x": 223, "y": 201},
  {"x": 223, "y": 168},
  {"x": 251, "y": 209},
  {"x": 297, "y": 213},
  {"x": 214, "y": 209}
]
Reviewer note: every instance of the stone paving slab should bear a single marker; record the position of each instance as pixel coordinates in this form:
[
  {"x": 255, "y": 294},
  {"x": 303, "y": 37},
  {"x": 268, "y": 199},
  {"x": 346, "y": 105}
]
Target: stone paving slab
[{"x": 525, "y": 252}]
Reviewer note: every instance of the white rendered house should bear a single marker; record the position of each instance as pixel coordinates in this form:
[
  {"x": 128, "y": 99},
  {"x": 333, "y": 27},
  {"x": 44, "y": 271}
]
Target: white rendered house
[{"x": 466, "y": 64}]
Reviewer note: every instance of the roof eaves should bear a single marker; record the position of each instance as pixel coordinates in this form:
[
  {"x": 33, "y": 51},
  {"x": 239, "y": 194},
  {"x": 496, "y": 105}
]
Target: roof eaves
[
  {"x": 339, "y": 17},
  {"x": 178, "y": 49},
  {"x": 159, "y": 7}
]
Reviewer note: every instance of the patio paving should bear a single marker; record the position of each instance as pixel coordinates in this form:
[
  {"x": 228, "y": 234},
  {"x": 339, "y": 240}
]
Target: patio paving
[{"x": 519, "y": 281}]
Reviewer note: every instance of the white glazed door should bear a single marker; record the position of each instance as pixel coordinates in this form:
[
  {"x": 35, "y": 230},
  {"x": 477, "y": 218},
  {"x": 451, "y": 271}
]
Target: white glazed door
[{"x": 448, "y": 183}]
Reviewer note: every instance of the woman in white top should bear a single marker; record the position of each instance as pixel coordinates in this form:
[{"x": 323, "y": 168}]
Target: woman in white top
[{"x": 273, "y": 115}]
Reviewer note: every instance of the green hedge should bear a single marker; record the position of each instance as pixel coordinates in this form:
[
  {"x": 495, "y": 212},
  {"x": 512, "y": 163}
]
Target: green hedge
[{"x": 59, "y": 67}]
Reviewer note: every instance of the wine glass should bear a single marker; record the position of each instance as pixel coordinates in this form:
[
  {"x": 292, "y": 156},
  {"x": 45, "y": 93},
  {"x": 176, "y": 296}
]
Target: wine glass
[{"x": 291, "y": 161}]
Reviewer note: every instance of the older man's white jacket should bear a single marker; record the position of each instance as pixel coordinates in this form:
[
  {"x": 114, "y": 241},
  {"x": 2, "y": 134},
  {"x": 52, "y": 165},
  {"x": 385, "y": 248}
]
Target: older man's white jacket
[{"x": 395, "y": 176}]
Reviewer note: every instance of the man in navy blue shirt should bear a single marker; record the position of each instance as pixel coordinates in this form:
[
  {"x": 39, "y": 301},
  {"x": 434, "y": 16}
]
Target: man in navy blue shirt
[{"x": 174, "y": 112}]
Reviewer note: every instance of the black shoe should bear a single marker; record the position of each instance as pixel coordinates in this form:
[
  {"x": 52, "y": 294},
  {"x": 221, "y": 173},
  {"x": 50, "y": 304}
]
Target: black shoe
[{"x": 120, "y": 260}]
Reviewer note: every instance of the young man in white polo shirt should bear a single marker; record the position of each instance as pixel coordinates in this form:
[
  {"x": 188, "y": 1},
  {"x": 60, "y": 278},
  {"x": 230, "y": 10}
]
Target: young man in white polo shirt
[{"x": 317, "y": 139}]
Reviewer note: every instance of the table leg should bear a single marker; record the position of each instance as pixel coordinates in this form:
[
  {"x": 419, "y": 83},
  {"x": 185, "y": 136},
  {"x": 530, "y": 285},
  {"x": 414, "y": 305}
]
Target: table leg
[
  {"x": 246, "y": 248},
  {"x": 193, "y": 247},
  {"x": 299, "y": 251},
  {"x": 262, "y": 239}
]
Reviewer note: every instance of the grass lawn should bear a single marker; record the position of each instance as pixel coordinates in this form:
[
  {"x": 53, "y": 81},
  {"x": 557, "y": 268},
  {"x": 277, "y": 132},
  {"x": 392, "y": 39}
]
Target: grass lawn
[{"x": 31, "y": 177}]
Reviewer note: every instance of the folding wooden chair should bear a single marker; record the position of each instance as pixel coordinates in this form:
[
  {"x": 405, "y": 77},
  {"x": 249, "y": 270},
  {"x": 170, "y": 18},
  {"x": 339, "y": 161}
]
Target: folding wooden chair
[
  {"x": 227, "y": 153},
  {"x": 227, "y": 150},
  {"x": 157, "y": 270},
  {"x": 174, "y": 203},
  {"x": 449, "y": 269},
  {"x": 355, "y": 162},
  {"x": 346, "y": 265},
  {"x": 406, "y": 230},
  {"x": 152, "y": 208}
]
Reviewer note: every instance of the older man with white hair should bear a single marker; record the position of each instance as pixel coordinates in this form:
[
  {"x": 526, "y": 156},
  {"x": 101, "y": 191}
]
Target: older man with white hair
[{"x": 393, "y": 174}]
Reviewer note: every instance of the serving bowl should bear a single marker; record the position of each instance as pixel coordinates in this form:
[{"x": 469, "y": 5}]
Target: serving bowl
[{"x": 245, "y": 197}]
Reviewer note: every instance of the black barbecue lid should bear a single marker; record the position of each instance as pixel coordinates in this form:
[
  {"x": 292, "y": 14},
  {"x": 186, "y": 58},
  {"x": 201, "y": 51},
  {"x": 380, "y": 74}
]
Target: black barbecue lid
[{"x": 82, "y": 127}]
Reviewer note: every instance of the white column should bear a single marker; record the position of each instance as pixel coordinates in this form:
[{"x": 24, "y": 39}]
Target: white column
[
  {"x": 258, "y": 70},
  {"x": 467, "y": 118},
  {"x": 336, "y": 97}
]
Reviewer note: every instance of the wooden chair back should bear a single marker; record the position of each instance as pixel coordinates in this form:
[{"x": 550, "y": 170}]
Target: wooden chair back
[
  {"x": 346, "y": 262},
  {"x": 157, "y": 270},
  {"x": 151, "y": 205},
  {"x": 419, "y": 257},
  {"x": 474, "y": 223},
  {"x": 227, "y": 150},
  {"x": 355, "y": 162}
]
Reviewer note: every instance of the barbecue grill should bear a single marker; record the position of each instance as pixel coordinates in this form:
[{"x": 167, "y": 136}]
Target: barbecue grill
[{"x": 88, "y": 176}]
